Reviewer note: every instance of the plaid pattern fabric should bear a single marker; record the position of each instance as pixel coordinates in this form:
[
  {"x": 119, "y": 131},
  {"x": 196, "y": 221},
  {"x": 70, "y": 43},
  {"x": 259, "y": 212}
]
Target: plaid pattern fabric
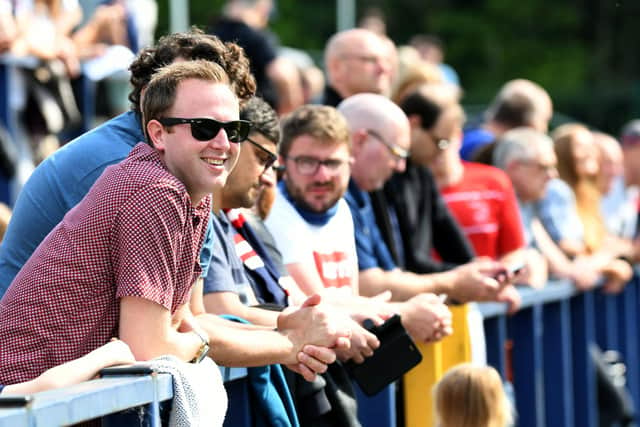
[{"x": 134, "y": 234}]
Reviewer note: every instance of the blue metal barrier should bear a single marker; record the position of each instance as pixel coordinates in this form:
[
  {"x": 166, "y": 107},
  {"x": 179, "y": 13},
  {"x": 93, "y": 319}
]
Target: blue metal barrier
[{"x": 553, "y": 376}]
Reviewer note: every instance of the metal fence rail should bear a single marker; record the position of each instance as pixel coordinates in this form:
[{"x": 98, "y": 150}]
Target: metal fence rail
[{"x": 548, "y": 361}]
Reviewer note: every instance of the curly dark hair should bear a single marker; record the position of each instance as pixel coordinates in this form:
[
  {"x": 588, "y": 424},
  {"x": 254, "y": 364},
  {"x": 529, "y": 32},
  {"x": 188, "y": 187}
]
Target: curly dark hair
[
  {"x": 263, "y": 118},
  {"x": 194, "y": 44}
]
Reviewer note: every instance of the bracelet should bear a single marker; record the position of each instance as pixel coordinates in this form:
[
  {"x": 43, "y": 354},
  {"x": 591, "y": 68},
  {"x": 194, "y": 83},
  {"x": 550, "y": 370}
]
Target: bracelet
[{"x": 202, "y": 351}]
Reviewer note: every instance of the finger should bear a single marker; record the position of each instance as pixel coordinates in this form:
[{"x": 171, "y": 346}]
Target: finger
[
  {"x": 306, "y": 373},
  {"x": 312, "y": 363},
  {"x": 322, "y": 354},
  {"x": 312, "y": 300},
  {"x": 383, "y": 296},
  {"x": 343, "y": 343}
]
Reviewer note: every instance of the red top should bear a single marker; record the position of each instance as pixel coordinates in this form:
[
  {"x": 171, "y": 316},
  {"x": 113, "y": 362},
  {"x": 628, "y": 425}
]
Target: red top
[
  {"x": 134, "y": 234},
  {"x": 485, "y": 206}
]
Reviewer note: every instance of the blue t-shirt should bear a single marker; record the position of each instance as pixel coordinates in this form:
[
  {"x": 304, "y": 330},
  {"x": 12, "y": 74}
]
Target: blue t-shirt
[
  {"x": 60, "y": 182},
  {"x": 226, "y": 271},
  {"x": 370, "y": 246}
]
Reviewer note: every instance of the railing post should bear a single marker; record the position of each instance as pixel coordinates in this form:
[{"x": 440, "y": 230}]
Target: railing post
[
  {"x": 495, "y": 332},
  {"x": 558, "y": 378},
  {"x": 628, "y": 317},
  {"x": 527, "y": 331},
  {"x": 584, "y": 378},
  {"x": 378, "y": 410}
]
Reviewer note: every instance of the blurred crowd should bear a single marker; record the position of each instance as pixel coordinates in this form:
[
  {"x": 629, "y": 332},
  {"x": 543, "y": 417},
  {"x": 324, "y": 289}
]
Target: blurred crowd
[{"x": 361, "y": 180}]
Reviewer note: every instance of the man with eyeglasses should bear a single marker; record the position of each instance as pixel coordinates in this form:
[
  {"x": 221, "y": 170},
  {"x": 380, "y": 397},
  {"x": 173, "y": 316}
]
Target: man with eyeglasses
[
  {"x": 233, "y": 286},
  {"x": 480, "y": 197},
  {"x": 372, "y": 167},
  {"x": 124, "y": 261},
  {"x": 63, "y": 179},
  {"x": 527, "y": 156},
  {"x": 357, "y": 61}
]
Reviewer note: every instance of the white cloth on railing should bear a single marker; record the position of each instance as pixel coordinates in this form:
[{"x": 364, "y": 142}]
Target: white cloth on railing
[{"x": 199, "y": 396}]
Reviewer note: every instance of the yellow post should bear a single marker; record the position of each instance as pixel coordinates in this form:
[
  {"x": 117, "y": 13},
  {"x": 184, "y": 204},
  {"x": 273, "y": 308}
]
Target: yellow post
[{"x": 436, "y": 359}]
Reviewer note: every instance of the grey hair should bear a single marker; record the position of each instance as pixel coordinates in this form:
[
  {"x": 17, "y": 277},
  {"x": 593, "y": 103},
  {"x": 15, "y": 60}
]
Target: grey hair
[{"x": 519, "y": 144}]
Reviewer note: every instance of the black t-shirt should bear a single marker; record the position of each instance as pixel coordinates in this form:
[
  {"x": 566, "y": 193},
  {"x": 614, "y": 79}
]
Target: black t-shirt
[{"x": 258, "y": 46}]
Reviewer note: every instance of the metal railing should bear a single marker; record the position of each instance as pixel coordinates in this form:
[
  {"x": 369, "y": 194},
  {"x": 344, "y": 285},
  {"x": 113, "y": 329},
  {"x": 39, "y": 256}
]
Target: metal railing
[{"x": 543, "y": 349}]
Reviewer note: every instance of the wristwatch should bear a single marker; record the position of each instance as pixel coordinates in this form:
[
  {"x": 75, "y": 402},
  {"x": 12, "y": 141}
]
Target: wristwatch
[{"x": 202, "y": 351}]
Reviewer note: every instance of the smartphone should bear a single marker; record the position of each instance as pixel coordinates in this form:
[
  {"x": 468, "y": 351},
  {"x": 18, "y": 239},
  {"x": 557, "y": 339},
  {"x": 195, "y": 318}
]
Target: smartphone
[
  {"x": 512, "y": 270},
  {"x": 515, "y": 269},
  {"x": 15, "y": 401},
  {"x": 123, "y": 370}
]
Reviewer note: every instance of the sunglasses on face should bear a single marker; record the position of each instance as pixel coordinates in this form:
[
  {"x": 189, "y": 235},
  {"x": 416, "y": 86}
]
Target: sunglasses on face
[
  {"x": 207, "y": 129},
  {"x": 268, "y": 158}
]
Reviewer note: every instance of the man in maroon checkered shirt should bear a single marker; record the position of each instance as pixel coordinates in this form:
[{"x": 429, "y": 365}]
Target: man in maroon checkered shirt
[{"x": 123, "y": 261}]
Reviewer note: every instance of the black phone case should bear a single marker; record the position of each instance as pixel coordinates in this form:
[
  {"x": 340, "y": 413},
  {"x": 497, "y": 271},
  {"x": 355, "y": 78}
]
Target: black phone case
[
  {"x": 15, "y": 401},
  {"x": 396, "y": 355},
  {"x": 123, "y": 370}
]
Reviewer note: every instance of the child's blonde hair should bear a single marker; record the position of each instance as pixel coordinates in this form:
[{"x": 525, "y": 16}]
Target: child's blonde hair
[{"x": 471, "y": 396}]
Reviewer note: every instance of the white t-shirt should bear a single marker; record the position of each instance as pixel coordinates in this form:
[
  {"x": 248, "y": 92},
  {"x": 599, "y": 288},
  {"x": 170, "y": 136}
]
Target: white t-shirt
[{"x": 331, "y": 248}]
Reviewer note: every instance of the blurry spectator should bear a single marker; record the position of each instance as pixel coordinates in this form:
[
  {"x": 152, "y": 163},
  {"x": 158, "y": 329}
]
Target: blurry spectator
[
  {"x": 480, "y": 197},
  {"x": 380, "y": 133},
  {"x": 630, "y": 142},
  {"x": 85, "y": 368},
  {"x": 480, "y": 387},
  {"x": 410, "y": 212},
  {"x": 357, "y": 61},
  {"x": 311, "y": 77},
  {"x": 619, "y": 201},
  {"x": 578, "y": 168},
  {"x": 413, "y": 75},
  {"x": 529, "y": 159},
  {"x": 519, "y": 102},
  {"x": 373, "y": 19},
  {"x": 244, "y": 22},
  {"x": 431, "y": 49}
]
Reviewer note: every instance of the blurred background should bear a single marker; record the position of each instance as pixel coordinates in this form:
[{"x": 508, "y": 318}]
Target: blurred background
[{"x": 584, "y": 52}]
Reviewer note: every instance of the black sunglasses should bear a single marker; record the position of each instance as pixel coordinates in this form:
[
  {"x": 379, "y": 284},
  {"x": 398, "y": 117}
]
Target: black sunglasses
[
  {"x": 207, "y": 129},
  {"x": 270, "y": 158}
]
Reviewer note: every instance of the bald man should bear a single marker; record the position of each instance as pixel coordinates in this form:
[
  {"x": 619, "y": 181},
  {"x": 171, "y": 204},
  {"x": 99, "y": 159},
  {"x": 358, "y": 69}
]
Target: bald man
[
  {"x": 519, "y": 103},
  {"x": 380, "y": 134},
  {"x": 357, "y": 61}
]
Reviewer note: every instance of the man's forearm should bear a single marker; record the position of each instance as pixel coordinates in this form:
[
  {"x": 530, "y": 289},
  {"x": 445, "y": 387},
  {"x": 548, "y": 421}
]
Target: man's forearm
[
  {"x": 402, "y": 284},
  {"x": 237, "y": 344}
]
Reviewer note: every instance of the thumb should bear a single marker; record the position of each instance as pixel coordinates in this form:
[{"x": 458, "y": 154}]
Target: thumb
[
  {"x": 383, "y": 296},
  {"x": 312, "y": 300}
]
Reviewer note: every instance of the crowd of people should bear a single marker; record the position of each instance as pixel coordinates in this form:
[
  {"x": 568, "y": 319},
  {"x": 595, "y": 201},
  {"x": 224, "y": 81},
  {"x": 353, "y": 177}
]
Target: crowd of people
[{"x": 230, "y": 188}]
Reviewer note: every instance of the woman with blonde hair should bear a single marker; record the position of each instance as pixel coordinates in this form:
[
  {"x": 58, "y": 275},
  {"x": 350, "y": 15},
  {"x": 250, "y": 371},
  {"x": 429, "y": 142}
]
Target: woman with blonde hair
[
  {"x": 571, "y": 211},
  {"x": 471, "y": 396}
]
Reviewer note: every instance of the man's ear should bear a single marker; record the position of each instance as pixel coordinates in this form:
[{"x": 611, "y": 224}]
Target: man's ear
[
  {"x": 415, "y": 121},
  {"x": 358, "y": 139},
  {"x": 156, "y": 134}
]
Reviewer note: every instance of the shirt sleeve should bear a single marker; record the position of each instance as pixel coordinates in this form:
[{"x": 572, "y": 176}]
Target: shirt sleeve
[
  {"x": 558, "y": 213},
  {"x": 219, "y": 277},
  {"x": 371, "y": 249},
  {"x": 145, "y": 241}
]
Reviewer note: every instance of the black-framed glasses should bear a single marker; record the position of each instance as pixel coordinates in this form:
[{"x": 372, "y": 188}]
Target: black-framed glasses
[
  {"x": 268, "y": 158},
  {"x": 398, "y": 152},
  {"x": 204, "y": 129},
  {"x": 307, "y": 165}
]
